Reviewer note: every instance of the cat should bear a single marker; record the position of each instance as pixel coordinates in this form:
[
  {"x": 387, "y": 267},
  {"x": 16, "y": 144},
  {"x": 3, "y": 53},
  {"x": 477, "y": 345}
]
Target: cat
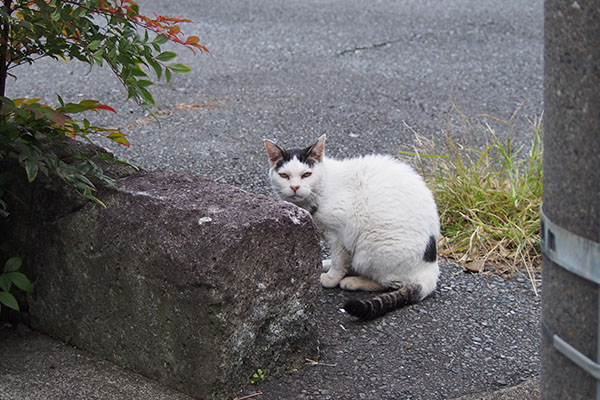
[{"x": 378, "y": 217}]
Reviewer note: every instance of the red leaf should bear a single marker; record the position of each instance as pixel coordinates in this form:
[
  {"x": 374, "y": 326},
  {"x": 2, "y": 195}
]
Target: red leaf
[
  {"x": 95, "y": 105},
  {"x": 192, "y": 40},
  {"x": 104, "y": 107}
]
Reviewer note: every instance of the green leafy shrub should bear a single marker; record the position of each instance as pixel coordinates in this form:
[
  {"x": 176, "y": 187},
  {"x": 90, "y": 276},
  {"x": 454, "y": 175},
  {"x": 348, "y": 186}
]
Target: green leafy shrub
[
  {"x": 95, "y": 32},
  {"x": 11, "y": 276},
  {"x": 112, "y": 33}
]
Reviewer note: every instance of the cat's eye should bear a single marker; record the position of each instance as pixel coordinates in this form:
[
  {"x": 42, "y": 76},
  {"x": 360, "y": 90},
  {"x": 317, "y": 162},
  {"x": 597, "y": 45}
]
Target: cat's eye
[
  {"x": 306, "y": 174},
  {"x": 284, "y": 176}
]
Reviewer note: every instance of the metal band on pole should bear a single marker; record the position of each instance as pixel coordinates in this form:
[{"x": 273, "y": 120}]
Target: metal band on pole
[
  {"x": 580, "y": 256},
  {"x": 585, "y": 363},
  {"x": 572, "y": 252}
]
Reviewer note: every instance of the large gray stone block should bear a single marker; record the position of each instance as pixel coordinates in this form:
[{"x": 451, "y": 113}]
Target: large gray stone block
[{"x": 189, "y": 282}]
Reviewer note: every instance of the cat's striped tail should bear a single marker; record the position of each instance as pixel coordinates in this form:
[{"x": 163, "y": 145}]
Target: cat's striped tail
[{"x": 376, "y": 307}]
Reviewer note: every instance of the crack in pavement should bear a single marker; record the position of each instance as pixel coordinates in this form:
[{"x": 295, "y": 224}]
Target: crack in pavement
[{"x": 371, "y": 47}]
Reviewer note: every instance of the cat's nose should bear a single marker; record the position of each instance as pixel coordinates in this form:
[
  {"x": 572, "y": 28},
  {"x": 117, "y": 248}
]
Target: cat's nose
[{"x": 295, "y": 188}]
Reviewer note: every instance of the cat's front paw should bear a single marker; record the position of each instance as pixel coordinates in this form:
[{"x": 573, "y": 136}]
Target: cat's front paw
[
  {"x": 326, "y": 265},
  {"x": 328, "y": 282}
]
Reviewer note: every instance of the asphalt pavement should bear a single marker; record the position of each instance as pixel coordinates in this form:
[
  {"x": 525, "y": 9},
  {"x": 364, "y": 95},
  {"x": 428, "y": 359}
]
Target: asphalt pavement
[
  {"x": 293, "y": 70},
  {"x": 367, "y": 75}
]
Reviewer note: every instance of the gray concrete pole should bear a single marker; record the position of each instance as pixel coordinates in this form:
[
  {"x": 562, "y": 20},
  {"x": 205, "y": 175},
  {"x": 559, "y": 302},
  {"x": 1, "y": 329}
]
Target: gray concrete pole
[{"x": 570, "y": 347}]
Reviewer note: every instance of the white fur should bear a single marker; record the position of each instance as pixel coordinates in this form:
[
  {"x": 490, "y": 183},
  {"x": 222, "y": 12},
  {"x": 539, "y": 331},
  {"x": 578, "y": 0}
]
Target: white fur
[{"x": 375, "y": 212}]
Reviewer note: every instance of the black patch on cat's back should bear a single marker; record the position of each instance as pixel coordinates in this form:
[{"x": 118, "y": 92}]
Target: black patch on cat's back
[
  {"x": 303, "y": 155},
  {"x": 430, "y": 250}
]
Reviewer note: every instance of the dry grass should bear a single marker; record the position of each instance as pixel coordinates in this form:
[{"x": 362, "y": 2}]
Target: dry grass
[{"x": 489, "y": 198}]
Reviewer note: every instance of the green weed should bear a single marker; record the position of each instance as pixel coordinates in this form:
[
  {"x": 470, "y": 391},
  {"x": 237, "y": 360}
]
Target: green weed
[
  {"x": 257, "y": 377},
  {"x": 488, "y": 198}
]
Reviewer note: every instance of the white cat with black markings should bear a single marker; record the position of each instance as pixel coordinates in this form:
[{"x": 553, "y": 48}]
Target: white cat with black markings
[{"x": 378, "y": 217}]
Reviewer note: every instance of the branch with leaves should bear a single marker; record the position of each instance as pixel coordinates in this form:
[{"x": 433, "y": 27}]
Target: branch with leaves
[
  {"x": 93, "y": 32},
  {"x": 11, "y": 276},
  {"x": 96, "y": 33}
]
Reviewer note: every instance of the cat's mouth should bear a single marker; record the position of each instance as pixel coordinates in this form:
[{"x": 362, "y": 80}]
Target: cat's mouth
[{"x": 295, "y": 197}]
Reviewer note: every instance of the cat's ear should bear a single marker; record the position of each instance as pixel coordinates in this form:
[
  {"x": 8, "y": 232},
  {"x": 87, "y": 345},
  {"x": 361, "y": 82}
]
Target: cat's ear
[
  {"x": 274, "y": 152},
  {"x": 317, "y": 150}
]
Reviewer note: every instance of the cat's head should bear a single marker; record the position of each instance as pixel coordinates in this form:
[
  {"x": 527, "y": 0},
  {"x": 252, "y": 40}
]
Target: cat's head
[{"x": 296, "y": 173}]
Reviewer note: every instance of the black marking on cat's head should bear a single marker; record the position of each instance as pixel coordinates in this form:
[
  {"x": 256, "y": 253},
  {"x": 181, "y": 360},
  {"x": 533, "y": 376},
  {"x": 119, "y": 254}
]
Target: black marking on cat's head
[
  {"x": 303, "y": 155},
  {"x": 310, "y": 155},
  {"x": 430, "y": 254}
]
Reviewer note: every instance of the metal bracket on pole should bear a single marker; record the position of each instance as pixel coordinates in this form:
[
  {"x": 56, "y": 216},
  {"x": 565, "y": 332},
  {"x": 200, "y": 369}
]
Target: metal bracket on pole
[
  {"x": 572, "y": 353},
  {"x": 580, "y": 256},
  {"x": 572, "y": 252}
]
